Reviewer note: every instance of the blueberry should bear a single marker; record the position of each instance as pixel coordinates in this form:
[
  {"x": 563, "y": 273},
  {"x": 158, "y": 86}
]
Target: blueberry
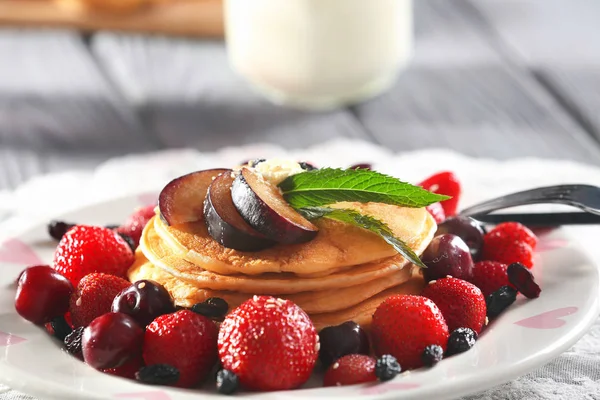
[
  {"x": 73, "y": 341},
  {"x": 460, "y": 340},
  {"x": 214, "y": 307},
  {"x": 340, "y": 340},
  {"x": 387, "y": 367},
  {"x": 61, "y": 328},
  {"x": 158, "y": 374},
  {"x": 227, "y": 382},
  {"x": 57, "y": 229},
  {"x": 500, "y": 300},
  {"x": 432, "y": 355}
]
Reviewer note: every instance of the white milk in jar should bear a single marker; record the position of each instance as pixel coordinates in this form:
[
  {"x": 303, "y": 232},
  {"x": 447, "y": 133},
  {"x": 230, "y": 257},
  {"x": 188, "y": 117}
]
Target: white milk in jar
[{"x": 319, "y": 53}]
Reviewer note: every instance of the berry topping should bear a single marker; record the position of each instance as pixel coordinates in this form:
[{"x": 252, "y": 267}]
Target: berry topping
[
  {"x": 387, "y": 368},
  {"x": 500, "y": 300},
  {"x": 87, "y": 249},
  {"x": 432, "y": 355},
  {"x": 185, "y": 340},
  {"x": 351, "y": 370},
  {"x": 403, "y": 325},
  {"x": 468, "y": 229},
  {"x": 42, "y": 294},
  {"x": 460, "y": 340},
  {"x": 158, "y": 374},
  {"x": 73, "y": 341},
  {"x": 60, "y": 328},
  {"x": 521, "y": 278},
  {"x": 57, "y": 229},
  {"x": 136, "y": 222},
  {"x": 489, "y": 276},
  {"x": 127, "y": 370},
  {"x": 338, "y": 341},
  {"x": 514, "y": 232},
  {"x": 447, "y": 255},
  {"x": 437, "y": 212},
  {"x": 269, "y": 343},
  {"x": 227, "y": 382},
  {"x": 144, "y": 300},
  {"x": 461, "y": 303},
  {"x": 94, "y": 297},
  {"x": 111, "y": 340},
  {"x": 507, "y": 251},
  {"x": 445, "y": 183},
  {"x": 214, "y": 307}
]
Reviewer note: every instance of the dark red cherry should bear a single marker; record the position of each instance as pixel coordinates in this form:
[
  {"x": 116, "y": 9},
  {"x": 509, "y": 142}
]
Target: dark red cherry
[
  {"x": 447, "y": 255},
  {"x": 144, "y": 301},
  {"x": 340, "y": 340},
  {"x": 468, "y": 229}
]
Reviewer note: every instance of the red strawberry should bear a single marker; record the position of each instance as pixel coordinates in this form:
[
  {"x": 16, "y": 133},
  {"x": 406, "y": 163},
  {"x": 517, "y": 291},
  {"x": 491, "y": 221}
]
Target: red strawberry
[
  {"x": 94, "y": 296},
  {"x": 513, "y": 232},
  {"x": 184, "y": 340},
  {"x": 489, "y": 276},
  {"x": 128, "y": 369},
  {"x": 445, "y": 183},
  {"x": 136, "y": 222},
  {"x": 403, "y": 325},
  {"x": 462, "y": 304},
  {"x": 350, "y": 370},
  {"x": 437, "y": 212},
  {"x": 87, "y": 249},
  {"x": 496, "y": 248},
  {"x": 270, "y": 343}
]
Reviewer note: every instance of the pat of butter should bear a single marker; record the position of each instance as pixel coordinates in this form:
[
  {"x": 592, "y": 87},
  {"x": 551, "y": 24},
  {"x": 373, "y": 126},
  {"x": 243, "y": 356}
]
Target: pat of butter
[{"x": 275, "y": 170}]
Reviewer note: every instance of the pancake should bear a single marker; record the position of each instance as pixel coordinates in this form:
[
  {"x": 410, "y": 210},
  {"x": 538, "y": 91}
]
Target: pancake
[
  {"x": 337, "y": 246},
  {"x": 186, "y": 294},
  {"x": 160, "y": 255}
]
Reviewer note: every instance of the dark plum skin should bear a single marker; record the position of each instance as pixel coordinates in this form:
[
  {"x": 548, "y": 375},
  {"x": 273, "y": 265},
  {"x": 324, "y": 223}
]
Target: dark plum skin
[
  {"x": 340, "y": 340},
  {"x": 468, "y": 229},
  {"x": 144, "y": 301},
  {"x": 447, "y": 255}
]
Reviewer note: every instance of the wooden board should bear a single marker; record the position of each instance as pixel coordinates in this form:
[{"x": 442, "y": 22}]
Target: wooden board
[{"x": 199, "y": 18}]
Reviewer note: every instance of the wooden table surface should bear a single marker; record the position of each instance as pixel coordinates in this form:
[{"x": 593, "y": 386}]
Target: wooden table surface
[{"x": 490, "y": 78}]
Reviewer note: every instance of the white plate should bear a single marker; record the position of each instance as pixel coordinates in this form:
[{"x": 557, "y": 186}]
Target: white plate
[{"x": 526, "y": 336}]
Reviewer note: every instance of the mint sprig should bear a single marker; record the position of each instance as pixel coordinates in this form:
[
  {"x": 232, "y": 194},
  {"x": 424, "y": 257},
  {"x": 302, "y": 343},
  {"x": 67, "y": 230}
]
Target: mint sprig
[
  {"x": 366, "y": 222},
  {"x": 326, "y": 186}
]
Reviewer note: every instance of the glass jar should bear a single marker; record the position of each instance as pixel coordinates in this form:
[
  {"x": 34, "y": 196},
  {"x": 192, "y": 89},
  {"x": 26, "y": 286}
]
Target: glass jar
[{"x": 319, "y": 54}]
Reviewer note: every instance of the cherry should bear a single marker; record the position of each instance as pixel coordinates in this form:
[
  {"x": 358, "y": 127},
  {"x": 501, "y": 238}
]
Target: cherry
[
  {"x": 111, "y": 340},
  {"x": 447, "y": 255},
  {"x": 42, "y": 294},
  {"x": 340, "y": 340},
  {"x": 144, "y": 301},
  {"x": 469, "y": 230}
]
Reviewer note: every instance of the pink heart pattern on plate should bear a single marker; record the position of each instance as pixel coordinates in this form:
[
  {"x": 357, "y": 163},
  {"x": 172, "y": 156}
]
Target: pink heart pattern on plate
[
  {"x": 549, "y": 319},
  {"x": 388, "y": 387},
  {"x": 154, "y": 395},
  {"x": 8, "y": 339},
  {"x": 15, "y": 251}
]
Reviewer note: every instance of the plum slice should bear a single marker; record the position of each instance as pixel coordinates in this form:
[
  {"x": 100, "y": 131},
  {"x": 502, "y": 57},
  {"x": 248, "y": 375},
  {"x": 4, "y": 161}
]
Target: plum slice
[
  {"x": 261, "y": 204},
  {"x": 224, "y": 222},
  {"x": 182, "y": 200}
]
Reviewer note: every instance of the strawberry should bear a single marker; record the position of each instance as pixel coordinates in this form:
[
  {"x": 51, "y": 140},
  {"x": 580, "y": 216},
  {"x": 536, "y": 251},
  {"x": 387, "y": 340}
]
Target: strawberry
[
  {"x": 437, "y": 212},
  {"x": 269, "y": 343},
  {"x": 128, "y": 369},
  {"x": 513, "y": 232},
  {"x": 445, "y": 183},
  {"x": 495, "y": 248},
  {"x": 462, "y": 304},
  {"x": 350, "y": 370},
  {"x": 87, "y": 249},
  {"x": 403, "y": 325},
  {"x": 136, "y": 222},
  {"x": 184, "y": 340},
  {"x": 94, "y": 297},
  {"x": 489, "y": 276}
]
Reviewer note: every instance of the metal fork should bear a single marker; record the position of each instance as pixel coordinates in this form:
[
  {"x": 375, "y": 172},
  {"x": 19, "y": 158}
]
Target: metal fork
[{"x": 584, "y": 197}]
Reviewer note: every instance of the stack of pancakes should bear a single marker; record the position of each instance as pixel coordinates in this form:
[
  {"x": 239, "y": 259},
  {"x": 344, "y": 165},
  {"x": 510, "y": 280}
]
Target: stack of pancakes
[{"x": 343, "y": 274}]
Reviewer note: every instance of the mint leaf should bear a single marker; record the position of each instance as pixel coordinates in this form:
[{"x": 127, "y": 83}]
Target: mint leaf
[
  {"x": 366, "y": 222},
  {"x": 327, "y": 186}
]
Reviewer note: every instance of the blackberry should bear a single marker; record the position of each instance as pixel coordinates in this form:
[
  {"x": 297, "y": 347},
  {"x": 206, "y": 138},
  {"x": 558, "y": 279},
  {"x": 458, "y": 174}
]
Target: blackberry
[
  {"x": 129, "y": 241},
  {"x": 460, "y": 340},
  {"x": 214, "y": 307},
  {"x": 57, "y": 229},
  {"x": 227, "y": 382},
  {"x": 73, "y": 341},
  {"x": 307, "y": 166},
  {"x": 387, "y": 367},
  {"x": 522, "y": 278},
  {"x": 61, "y": 328},
  {"x": 432, "y": 355},
  {"x": 158, "y": 374},
  {"x": 500, "y": 300}
]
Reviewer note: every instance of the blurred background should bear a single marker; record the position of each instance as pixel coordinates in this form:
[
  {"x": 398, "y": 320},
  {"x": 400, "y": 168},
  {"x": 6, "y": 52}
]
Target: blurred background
[{"x": 82, "y": 81}]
